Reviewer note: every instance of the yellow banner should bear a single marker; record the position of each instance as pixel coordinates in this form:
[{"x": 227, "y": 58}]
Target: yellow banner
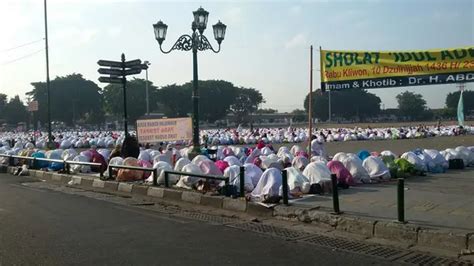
[
  {"x": 168, "y": 129},
  {"x": 365, "y": 69}
]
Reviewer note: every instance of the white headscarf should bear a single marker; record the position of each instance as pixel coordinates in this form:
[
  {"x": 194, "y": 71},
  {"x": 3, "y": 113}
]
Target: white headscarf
[{"x": 268, "y": 185}]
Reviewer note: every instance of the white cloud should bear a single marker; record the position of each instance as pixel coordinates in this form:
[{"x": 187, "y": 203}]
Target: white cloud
[{"x": 298, "y": 40}]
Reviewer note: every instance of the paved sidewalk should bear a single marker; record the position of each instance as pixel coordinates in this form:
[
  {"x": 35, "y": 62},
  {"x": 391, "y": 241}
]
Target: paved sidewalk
[{"x": 441, "y": 200}]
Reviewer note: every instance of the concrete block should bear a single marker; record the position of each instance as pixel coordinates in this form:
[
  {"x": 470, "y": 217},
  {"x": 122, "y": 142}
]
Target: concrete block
[
  {"x": 124, "y": 187},
  {"x": 86, "y": 182},
  {"x": 192, "y": 197},
  {"x": 47, "y": 175},
  {"x": 65, "y": 178},
  {"x": 239, "y": 204},
  {"x": 76, "y": 180},
  {"x": 289, "y": 212},
  {"x": 39, "y": 173},
  {"x": 98, "y": 183},
  {"x": 111, "y": 185},
  {"x": 212, "y": 201},
  {"x": 172, "y": 194},
  {"x": 56, "y": 177},
  {"x": 141, "y": 190},
  {"x": 470, "y": 242},
  {"x": 3, "y": 169},
  {"x": 323, "y": 218},
  {"x": 155, "y": 192},
  {"x": 442, "y": 240},
  {"x": 356, "y": 226},
  {"x": 404, "y": 233},
  {"x": 259, "y": 210},
  {"x": 11, "y": 169}
]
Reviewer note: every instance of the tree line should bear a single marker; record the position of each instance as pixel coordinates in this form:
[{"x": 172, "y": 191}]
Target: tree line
[{"x": 75, "y": 100}]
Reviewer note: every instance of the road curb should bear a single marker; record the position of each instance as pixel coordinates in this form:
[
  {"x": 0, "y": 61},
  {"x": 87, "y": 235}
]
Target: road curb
[
  {"x": 234, "y": 204},
  {"x": 442, "y": 240},
  {"x": 155, "y": 192},
  {"x": 356, "y": 226},
  {"x": 403, "y": 233},
  {"x": 140, "y": 190},
  {"x": 191, "y": 197},
  {"x": 124, "y": 187},
  {"x": 470, "y": 242},
  {"x": 212, "y": 201}
]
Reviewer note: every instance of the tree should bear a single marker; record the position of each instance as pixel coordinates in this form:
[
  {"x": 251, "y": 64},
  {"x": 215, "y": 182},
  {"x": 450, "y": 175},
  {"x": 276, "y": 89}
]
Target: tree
[
  {"x": 453, "y": 98},
  {"x": 267, "y": 111},
  {"x": 176, "y": 100},
  {"x": 346, "y": 104},
  {"x": 299, "y": 115},
  {"x": 72, "y": 97},
  {"x": 216, "y": 99},
  {"x": 3, "y": 103},
  {"x": 136, "y": 100},
  {"x": 411, "y": 105},
  {"x": 246, "y": 103},
  {"x": 15, "y": 111}
]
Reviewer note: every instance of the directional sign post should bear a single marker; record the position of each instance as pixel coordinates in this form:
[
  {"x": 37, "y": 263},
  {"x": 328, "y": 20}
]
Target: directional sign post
[{"x": 117, "y": 72}]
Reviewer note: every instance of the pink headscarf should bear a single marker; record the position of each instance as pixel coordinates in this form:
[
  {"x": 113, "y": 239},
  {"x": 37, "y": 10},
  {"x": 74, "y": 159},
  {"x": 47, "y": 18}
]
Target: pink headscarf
[
  {"x": 146, "y": 164},
  {"x": 302, "y": 153},
  {"x": 257, "y": 161},
  {"x": 260, "y": 144},
  {"x": 343, "y": 175},
  {"x": 227, "y": 152},
  {"x": 222, "y": 165},
  {"x": 209, "y": 168}
]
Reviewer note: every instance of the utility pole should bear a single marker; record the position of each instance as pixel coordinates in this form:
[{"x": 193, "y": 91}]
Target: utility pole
[
  {"x": 310, "y": 102},
  {"x": 48, "y": 102}
]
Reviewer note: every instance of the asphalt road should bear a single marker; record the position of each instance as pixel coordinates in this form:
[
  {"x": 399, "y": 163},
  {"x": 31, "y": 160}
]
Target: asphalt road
[{"x": 45, "y": 227}]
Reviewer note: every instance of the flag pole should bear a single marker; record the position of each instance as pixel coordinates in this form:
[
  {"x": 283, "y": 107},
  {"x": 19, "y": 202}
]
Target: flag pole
[{"x": 310, "y": 102}]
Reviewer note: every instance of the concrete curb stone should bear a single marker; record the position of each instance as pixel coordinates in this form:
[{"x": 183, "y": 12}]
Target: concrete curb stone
[
  {"x": 213, "y": 201},
  {"x": 470, "y": 241},
  {"x": 172, "y": 194},
  {"x": 155, "y": 192},
  {"x": 404, "y": 233},
  {"x": 47, "y": 175},
  {"x": 3, "y": 169},
  {"x": 39, "y": 174},
  {"x": 259, "y": 210},
  {"x": 111, "y": 185},
  {"x": 76, "y": 180},
  {"x": 138, "y": 189},
  {"x": 192, "y": 197},
  {"x": 66, "y": 178},
  {"x": 98, "y": 183},
  {"x": 124, "y": 187},
  {"x": 291, "y": 213},
  {"x": 10, "y": 169},
  {"x": 323, "y": 218},
  {"x": 442, "y": 239},
  {"x": 239, "y": 204},
  {"x": 56, "y": 177},
  {"x": 86, "y": 182},
  {"x": 357, "y": 226}
]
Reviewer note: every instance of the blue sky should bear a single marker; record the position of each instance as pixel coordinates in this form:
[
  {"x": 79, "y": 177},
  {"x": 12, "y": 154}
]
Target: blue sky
[{"x": 266, "y": 45}]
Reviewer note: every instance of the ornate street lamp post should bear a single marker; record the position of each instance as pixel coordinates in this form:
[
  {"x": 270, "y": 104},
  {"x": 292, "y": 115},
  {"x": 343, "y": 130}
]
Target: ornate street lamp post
[{"x": 196, "y": 41}]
